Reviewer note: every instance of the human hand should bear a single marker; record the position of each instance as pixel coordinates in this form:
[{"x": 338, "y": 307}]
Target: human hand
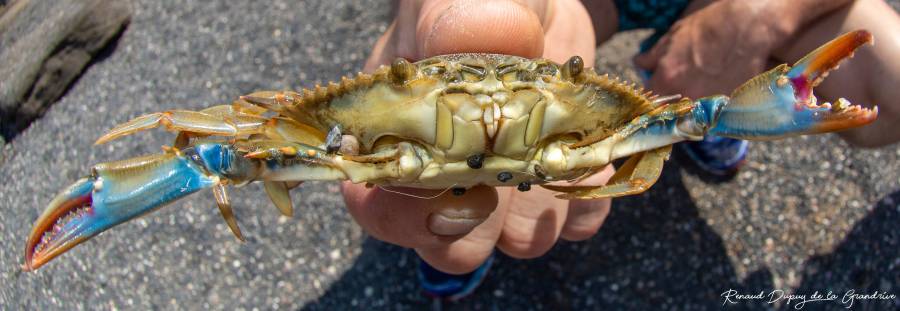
[
  {"x": 457, "y": 233},
  {"x": 716, "y": 48}
]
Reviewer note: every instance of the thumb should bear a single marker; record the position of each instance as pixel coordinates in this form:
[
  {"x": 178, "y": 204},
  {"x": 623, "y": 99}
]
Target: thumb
[{"x": 486, "y": 26}]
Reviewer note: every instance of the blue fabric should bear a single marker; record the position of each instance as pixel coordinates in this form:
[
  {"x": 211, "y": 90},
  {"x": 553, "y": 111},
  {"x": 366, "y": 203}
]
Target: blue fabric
[
  {"x": 654, "y": 14},
  {"x": 716, "y": 155},
  {"x": 451, "y": 286},
  {"x": 658, "y": 15}
]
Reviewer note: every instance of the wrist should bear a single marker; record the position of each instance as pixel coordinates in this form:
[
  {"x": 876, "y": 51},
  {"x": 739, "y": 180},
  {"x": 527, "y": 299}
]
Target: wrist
[
  {"x": 785, "y": 18},
  {"x": 768, "y": 23},
  {"x": 775, "y": 20}
]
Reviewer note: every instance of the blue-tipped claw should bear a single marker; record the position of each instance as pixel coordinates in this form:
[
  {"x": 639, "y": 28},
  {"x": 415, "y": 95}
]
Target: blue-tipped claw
[
  {"x": 780, "y": 102},
  {"x": 114, "y": 193}
]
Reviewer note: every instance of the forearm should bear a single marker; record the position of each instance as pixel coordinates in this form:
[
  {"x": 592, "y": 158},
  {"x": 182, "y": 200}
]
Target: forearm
[
  {"x": 785, "y": 17},
  {"x": 790, "y": 16}
]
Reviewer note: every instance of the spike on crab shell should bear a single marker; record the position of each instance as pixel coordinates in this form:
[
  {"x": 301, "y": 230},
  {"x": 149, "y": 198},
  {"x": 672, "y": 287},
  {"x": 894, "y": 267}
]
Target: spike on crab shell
[
  {"x": 656, "y": 100},
  {"x": 364, "y": 79},
  {"x": 333, "y": 88},
  {"x": 270, "y": 99}
]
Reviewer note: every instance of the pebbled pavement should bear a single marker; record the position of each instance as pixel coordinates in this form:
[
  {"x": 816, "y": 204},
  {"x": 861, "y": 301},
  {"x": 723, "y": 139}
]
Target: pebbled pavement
[{"x": 805, "y": 214}]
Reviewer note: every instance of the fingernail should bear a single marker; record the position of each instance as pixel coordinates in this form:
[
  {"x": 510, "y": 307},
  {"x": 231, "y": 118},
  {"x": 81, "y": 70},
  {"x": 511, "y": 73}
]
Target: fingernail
[{"x": 449, "y": 225}]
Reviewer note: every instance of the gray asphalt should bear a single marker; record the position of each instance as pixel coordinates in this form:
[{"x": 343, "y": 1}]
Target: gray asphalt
[{"x": 806, "y": 214}]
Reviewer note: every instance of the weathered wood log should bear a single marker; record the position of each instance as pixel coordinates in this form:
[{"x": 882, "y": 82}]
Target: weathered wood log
[{"x": 45, "y": 46}]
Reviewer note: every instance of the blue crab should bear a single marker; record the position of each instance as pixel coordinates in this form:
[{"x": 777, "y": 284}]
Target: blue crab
[{"x": 452, "y": 121}]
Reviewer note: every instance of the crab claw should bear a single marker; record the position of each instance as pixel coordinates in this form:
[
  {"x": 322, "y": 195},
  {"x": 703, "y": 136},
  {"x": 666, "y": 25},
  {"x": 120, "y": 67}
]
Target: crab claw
[
  {"x": 114, "y": 193},
  {"x": 780, "y": 102}
]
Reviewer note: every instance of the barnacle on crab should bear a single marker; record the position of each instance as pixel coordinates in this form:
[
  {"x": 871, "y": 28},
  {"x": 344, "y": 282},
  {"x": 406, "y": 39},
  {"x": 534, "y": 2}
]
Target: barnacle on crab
[{"x": 451, "y": 121}]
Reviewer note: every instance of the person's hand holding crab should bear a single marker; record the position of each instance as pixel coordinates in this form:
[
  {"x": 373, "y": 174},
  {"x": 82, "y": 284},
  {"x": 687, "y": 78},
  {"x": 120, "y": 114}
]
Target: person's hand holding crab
[{"x": 454, "y": 233}]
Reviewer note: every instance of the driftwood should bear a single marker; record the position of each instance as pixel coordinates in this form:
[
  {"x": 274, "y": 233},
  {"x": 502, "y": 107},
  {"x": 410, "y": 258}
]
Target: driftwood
[{"x": 45, "y": 45}]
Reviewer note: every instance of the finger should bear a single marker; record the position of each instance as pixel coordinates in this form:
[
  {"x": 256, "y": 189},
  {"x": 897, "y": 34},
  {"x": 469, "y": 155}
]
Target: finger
[
  {"x": 466, "y": 254},
  {"x": 415, "y": 222},
  {"x": 646, "y": 61},
  {"x": 649, "y": 60},
  {"x": 533, "y": 222},
  {"x": 670, "y": 78},
  {"x": 586, "y": 216},
  {"x": 569, "y": 35},
  {"x": 485, "y": 26},
  {"x": 399, "y": 39},
  {"x": 383, "y": 51}
]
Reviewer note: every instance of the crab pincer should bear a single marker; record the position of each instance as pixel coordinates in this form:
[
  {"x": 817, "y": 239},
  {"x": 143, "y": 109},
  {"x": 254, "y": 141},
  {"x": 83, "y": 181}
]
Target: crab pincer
[
  {"x": 116, "y": 192},
  {"x": 781, "y": 102}
]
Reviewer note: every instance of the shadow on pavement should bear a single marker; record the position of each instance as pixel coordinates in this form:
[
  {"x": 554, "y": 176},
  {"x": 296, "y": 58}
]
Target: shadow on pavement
[
  {"x": 690, "y": 166},
  {"x": 868, "y": 260},
  {"x": 653, "y": 252}
]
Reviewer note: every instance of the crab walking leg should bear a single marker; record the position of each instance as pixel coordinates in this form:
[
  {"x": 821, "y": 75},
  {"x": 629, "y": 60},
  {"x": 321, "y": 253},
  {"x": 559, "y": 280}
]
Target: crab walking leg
[
  {"x": 278, "y": 193},
  {"x": 635, "y": 176},
  {"x": 402, "y": 162},
  {"x": 246, "y": 119},
  {"x": 237, "y": 119},
  {"x": 173, "y": 120}
]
